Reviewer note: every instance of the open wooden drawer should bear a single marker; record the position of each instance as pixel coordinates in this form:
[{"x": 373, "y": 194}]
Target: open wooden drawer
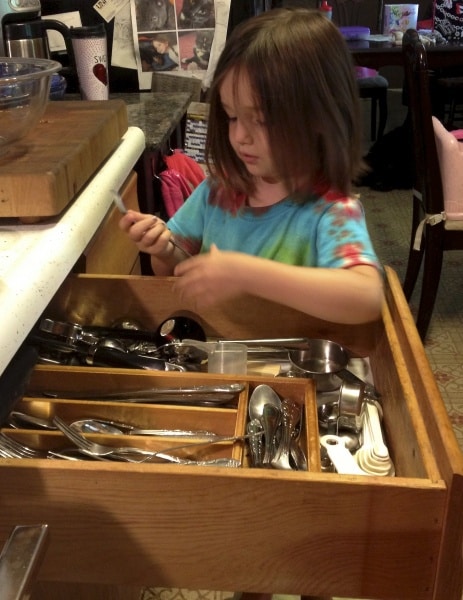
[{"x": 249, "y": 529}]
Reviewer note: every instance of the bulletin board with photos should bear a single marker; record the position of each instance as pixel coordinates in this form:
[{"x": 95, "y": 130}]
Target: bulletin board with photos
[{"x": 182, "y": 37}]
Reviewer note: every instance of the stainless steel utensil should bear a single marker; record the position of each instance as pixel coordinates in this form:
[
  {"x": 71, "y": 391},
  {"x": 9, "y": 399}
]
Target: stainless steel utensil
[
  {"x": 97, "y": 425},
  {"x": 271, "y": 417},
  {"x": 19, "y": 420},
  {"x": 225, "y": 388},
  {"x": 254, "y": 428},
  {"x": 326, "y": 362},
  {"x": 263, "y": 394},
  {"x": 290, "y": 417},
  {"x": 13, "y": 449},
  {"x": 134, "y": 454},
  {"x": 119, "y": 202}
]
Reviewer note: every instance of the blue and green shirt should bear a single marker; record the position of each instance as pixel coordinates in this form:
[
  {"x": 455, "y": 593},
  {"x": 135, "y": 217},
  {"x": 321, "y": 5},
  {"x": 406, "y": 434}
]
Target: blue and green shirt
[{"x": 328, "y": 231}]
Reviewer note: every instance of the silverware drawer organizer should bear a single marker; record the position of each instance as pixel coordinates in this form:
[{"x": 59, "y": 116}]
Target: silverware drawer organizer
[
  {"x": 227, "y": 421},
  {"x": 245, "y": 529}
]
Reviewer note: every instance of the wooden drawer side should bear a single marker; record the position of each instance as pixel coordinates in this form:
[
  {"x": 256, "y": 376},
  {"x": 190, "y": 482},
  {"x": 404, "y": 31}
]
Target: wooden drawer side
[
  {"x": 444, "y": 444},
  {"x": 403, "y": 420},
  {"x": 151, "y": 300}
]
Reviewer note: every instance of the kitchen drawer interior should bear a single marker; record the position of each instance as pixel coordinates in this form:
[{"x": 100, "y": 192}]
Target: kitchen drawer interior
[
  {"x": 185, "y": 430},
  {"x": 99, "y": 301}
]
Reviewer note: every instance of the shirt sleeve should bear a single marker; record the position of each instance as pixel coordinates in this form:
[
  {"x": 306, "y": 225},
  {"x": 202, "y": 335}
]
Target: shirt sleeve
[{"x": 343, "y": 240}]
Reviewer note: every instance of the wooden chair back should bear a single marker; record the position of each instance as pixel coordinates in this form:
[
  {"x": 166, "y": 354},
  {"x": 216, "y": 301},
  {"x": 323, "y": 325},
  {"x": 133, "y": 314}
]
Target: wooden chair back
[{"x": 427, "y": 175}]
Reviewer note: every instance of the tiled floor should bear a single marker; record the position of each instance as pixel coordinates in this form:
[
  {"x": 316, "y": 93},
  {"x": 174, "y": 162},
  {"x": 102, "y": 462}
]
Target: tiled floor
[{"x": 389, "y": 217}]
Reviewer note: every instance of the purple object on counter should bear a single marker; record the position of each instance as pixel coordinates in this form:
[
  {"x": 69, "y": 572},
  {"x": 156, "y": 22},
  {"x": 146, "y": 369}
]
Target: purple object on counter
[{"x": 355, "y": 32}]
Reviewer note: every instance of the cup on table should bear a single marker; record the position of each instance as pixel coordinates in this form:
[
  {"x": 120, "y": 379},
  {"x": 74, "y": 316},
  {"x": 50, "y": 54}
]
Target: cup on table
[
  {"x": 228, "y": 358},
  {"x": 91, "y": 55}
]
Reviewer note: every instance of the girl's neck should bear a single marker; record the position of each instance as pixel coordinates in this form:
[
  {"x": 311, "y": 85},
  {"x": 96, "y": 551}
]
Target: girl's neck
[{"x": 267, "y": 193}]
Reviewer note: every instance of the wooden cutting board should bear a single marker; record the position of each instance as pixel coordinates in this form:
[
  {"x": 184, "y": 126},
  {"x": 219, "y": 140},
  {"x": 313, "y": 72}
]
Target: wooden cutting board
[{"x": 45, "y": 170}]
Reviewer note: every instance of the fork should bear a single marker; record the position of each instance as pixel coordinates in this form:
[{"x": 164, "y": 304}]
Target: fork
[
  {"x": 10, "y": 448},
  {"x": 93, "y": 447},
  {"x": 126, "y": 453}
]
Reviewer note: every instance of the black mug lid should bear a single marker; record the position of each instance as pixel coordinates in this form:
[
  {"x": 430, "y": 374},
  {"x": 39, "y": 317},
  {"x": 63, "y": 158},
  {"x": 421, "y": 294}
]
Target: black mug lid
[
  {"x": 89, "y": 31},
  {"x": 23, "y": 31}
]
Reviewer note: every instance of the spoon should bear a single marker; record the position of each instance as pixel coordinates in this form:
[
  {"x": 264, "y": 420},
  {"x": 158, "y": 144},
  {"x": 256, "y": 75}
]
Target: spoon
[
  {"x": 298, "y": 458},
  {"x": 255, "y": 442},
  {"x": 263, "y": 394},
  {"x": 271, "y": 418},
  {"x": 95, "y": 426},
  {"x": 116, "y": 428},
  {"x": 18, "y": 420},
  {"x": 290, "y": 417},
  {"x": 119, "y": 203}
]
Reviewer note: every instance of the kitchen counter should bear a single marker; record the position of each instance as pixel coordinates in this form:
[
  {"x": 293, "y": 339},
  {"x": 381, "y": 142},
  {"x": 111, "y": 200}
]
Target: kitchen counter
[
  {"x": 157, "y": 114},
  {"x": 35, "y": 259}
]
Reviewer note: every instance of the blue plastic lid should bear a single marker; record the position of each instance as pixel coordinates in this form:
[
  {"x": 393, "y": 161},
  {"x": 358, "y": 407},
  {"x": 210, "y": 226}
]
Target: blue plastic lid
[{"x": 355, "y": 32}]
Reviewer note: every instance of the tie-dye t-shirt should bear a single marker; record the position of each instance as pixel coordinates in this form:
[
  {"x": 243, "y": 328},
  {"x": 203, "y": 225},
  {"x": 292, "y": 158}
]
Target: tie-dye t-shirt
[{"x": 323, "y": 232}]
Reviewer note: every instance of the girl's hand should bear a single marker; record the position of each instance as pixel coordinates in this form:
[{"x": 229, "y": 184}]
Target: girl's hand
[
  {"x": 149, "y": 233},
  {"x": 208, "y": 279}
]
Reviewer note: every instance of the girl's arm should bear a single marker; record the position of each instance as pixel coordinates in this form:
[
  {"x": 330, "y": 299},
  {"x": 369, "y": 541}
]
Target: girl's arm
[{"x": 349, "y": 296}]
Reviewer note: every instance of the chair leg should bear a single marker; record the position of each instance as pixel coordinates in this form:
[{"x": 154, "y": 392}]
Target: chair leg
[
  {"x": 433, "y": 256},
  {"x": 415, "y": 257},
  {"x": 373, "y": 120}
]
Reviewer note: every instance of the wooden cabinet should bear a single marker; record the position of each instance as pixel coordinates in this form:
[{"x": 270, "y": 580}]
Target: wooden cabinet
[
  {"x": 246, "y": 529},
  {"x": 111, "y": 251}
]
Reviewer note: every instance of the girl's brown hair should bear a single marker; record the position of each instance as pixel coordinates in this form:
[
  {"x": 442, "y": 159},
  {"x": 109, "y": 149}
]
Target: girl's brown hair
[{"x": 302, "y": 75}]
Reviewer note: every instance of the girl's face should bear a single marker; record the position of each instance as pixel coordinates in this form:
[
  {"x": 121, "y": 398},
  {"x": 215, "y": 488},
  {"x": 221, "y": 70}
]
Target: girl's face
[
  {"x": 159, "y": 46},
  {"x": 247, "y": 130}
]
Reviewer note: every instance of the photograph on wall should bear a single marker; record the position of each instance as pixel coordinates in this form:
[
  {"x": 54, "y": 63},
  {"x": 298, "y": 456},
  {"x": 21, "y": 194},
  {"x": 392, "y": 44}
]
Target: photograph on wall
[{"x": 177, "y": 36}]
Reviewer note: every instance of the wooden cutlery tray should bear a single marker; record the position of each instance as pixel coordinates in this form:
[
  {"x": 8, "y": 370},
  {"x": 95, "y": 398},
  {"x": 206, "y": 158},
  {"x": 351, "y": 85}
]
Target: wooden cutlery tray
[
  {"x": 244, "y": 529},
  {"x": 227, "y": 421}
]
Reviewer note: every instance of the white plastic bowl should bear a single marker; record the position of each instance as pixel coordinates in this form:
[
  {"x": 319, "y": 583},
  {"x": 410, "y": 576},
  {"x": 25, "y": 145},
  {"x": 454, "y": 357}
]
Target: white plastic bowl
[{"x": 24, "y": 90}]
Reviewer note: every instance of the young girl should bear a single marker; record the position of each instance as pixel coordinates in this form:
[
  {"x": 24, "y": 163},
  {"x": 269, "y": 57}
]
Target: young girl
[{"x": 276, "y": 218}]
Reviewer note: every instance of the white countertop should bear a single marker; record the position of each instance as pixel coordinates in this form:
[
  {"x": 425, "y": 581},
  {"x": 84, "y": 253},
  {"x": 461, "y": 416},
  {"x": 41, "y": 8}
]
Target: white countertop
[{"x": 35, "y": 259}]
